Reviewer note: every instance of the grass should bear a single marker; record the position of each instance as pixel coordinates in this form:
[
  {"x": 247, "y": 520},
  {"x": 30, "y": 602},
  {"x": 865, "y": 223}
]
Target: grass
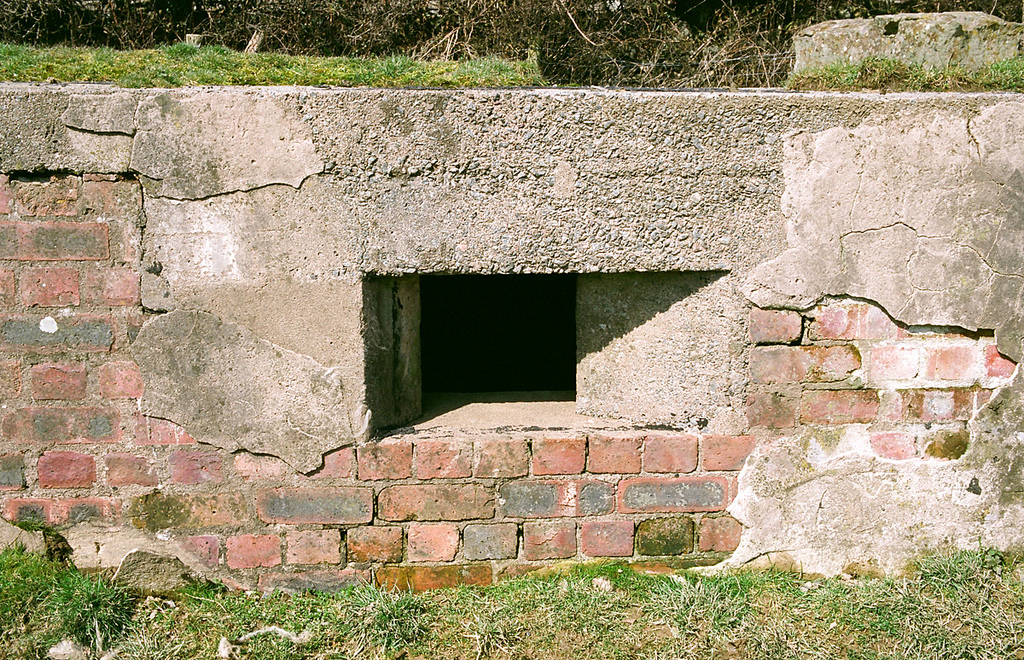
[
  {"x": 967, "y": 605},
  {"x": 893, "y": 76},
  {"x": 181, "y": 64}
]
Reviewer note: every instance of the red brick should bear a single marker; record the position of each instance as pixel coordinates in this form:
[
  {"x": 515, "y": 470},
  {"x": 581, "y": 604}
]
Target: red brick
[
  {"x": 856, "y": 321},
  {"x": 253, "y": 551},
  {"x": 320, "y": 581},
  {"x": 54, "y": 241},
  {"x": 62, "y": 425},
  {"x": 726, "y": 452},
  {"x": 206, "y": 548},
  {"x": 91, "y": 334},
  {"x": 435, "y": 502},
  {"x": 5, "y": 194},
  {"x": 129, "y": 470},
  {"x": 774, "y": 327},
  {"x": 120, "y": 380},
  {"x": 554, "y": 539},
  {"x": 58, "y": 196},
  {"x": 559, "y": 456},
  {"x": 337, "y": 465},
  {"x": 794, "y": 364},
  {"x": 770, "y": 410},
  {"x": 491, "y": 541},
  {"x": 374, "y": 544},
  {"x": 893, "y": 363},
  {"x": 425, "y": 578},
  {"x": 66, "y": 469},
  {"x": 12, "y": 472},
  {"x": 116, "y": 287},
  {"x": 251, "y": 466},
  {"x": 839, "y": 406},
  {"x": 939, "y": 405},
  {"x": 29, "y": 508},
  {"x": 49, "y": 287},
  {"x": 607, "y": 538},
  {"x": 58, "y": 382},
  {"x": 894, "y": 444},
  {"x": 719, "y": 534},
  {"x": 389, "y": 459},
  {"x": 673, "y": 494},
  {"x": 314, "y": 547},
  {"x": 670, "y": 453},
  {"x": 433, "y": 542},
  {"x": 155, "y": 511},
  {"x": 6, "y": 286},
  {"x": 71, "y": 511},
  {"x": 997, "y": 366},
  {"x": 10, "y": 379},
  {"x": 153, "y": 431},
  {"x": 195, "y": 467},
  {"x": 443, "y": 459},
  {"x": 538, "y": 499},
  {"x": 614, "y": 454},
  {"x": 500, "y": 458},
  {"x": 953, "y": 363},
  {"x": 315, "y": 506}
]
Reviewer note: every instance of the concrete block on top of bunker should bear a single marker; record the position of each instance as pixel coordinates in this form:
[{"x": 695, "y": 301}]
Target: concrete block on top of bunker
[{"x": 970, "y": 40}]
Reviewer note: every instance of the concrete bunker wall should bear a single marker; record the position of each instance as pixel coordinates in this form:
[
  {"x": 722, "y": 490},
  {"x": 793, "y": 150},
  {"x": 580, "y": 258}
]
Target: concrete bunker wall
[{"x": 797, "y": 318}]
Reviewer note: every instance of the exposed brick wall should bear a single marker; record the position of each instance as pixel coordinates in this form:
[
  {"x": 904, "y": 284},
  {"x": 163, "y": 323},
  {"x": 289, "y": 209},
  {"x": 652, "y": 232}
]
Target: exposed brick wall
[
  {"x": 910, "y": 391},
  {"x": 411, "y": 511},
  {"x": 69, "y": 303}
]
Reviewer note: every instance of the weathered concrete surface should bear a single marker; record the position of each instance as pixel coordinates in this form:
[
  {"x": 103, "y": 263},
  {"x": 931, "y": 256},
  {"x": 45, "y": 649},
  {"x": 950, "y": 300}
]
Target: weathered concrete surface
[
  {"x": 34, "y": 135},
  {"x": 233, "y": 390},
  {"x": 971, "y": 40},
  {"x": 102, "y": 113},
  {"x": 661, "y": 348},
  {"x": 11, "y": 536},
  {"x": 832, "y": 505},
  {"x": 205, "y": 143},
  {"x": 923, "y": 214},
  {"x": 152, "y": 573}
]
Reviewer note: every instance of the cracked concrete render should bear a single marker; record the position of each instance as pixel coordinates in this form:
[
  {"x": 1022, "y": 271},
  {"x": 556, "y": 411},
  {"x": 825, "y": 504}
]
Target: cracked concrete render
[
  {"x": 922, "y": 214},
  {"x": 266, "y": 207}
]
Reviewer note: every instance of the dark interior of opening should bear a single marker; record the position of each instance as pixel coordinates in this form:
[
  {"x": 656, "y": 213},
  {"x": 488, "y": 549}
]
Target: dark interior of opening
[{"x": 498, "y": 333}]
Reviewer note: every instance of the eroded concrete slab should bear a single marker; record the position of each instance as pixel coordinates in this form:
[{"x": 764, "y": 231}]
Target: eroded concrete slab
[
  {"x": 231, "y": 389},
  {"x": 192, "y": 145}
]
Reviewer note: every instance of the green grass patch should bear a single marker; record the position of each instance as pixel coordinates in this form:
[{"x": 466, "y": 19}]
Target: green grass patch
[
  {"x": 43, "y": 602},
  {"x": 893, "y": 76},
  {"x": 967, "y": 605},
  {"x": 181, "y": 64}
]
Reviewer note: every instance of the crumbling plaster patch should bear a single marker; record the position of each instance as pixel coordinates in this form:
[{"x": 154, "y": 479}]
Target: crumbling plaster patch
[
  {"x": 237, "y": 391},
  {"x": 922, "y": 215}
]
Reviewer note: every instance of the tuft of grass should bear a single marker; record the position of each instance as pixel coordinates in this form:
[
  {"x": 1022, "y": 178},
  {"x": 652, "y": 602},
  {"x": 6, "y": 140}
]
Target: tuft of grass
[
  {"x": 181, "y": 64},
  {"x": 886, "y": 75},
  {"x": 43, "y": 602}
]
